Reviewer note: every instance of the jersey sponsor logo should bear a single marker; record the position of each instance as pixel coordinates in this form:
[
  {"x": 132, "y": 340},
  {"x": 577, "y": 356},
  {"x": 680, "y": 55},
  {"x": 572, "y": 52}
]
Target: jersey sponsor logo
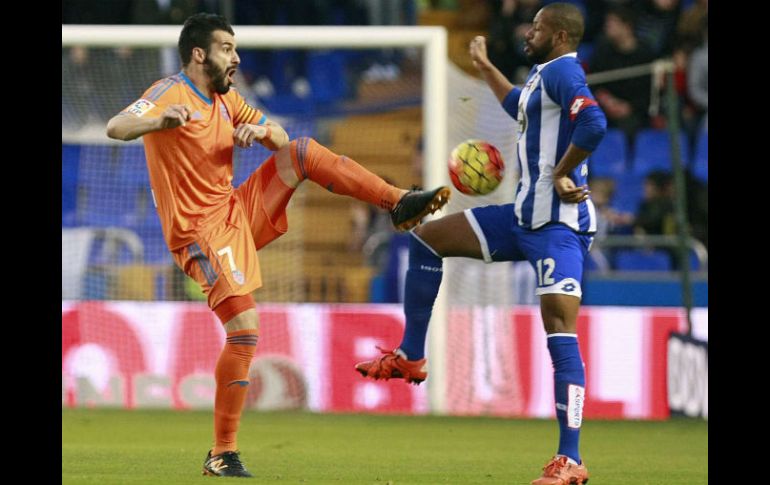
[
  {"x": 578, "y": 104},
  {"x": 140, "y": 107}
]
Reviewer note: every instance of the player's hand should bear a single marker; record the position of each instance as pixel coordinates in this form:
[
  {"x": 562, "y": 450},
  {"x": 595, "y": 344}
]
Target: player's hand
[
  {"x": 174, "y": 116},
  {"x": 568, "y": 192},
  {"x": 245, "y": 134},
  {"x": 478, "y": 51}
]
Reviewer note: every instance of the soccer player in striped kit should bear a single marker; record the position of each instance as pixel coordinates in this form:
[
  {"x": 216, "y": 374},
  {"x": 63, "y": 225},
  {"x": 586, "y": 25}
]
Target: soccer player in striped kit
[
  {"x": 550, "y": 223},
  {"x": 190, "y": 123}
]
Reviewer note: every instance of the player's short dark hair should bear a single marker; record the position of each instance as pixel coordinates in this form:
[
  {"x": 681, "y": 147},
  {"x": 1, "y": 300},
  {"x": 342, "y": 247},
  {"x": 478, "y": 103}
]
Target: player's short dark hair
[
  {"x": 567, "y": 17},
  {"x": 197, "y": 32}
]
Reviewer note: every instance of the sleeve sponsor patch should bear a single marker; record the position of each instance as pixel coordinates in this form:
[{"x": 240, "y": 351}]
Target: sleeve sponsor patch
[
  {"x": 140, "y": 107},
  {"x": 578, "y": 104}
]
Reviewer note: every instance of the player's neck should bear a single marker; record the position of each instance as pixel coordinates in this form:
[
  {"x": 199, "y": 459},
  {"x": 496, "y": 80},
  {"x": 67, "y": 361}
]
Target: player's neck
[
  {"x": 558, "y": 52},
  {"x": 200, "y": 80}
]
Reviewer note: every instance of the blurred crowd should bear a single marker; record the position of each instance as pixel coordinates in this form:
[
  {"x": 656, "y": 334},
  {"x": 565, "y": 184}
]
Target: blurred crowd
[{"x": 619, "y": 33}]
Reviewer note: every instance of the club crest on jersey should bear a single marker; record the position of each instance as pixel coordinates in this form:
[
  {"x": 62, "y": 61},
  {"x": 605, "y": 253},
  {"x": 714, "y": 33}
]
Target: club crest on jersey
[
  {"x": 578, "y": 104},
  {"x": 140, "y": 107}
]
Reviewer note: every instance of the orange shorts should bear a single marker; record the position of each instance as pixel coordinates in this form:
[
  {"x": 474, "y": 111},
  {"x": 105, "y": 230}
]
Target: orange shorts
[{"x": 223, "y": 259}]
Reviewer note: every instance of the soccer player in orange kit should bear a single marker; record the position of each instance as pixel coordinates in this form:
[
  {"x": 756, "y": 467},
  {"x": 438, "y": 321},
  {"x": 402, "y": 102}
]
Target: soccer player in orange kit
[{"x": 190, "y": 122}]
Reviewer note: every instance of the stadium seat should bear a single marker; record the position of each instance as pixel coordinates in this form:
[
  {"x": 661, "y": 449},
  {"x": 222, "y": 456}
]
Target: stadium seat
[
  {"x": 326, "y": 75},
  {"x": 692, "y": 259},
  {"x": 596, "y": 260},
  {"x": 641, "y": 260},
  {"x": 652, "y": 151},
  {"x": 629, "y": 190},
  {"x": 609, "y": 158},
  {"x": 700, "y": 165}
]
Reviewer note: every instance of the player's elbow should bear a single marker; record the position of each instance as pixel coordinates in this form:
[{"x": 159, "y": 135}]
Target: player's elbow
[
  {"x": 284, "y": 141},
  {"x": 113, "y": 130}
]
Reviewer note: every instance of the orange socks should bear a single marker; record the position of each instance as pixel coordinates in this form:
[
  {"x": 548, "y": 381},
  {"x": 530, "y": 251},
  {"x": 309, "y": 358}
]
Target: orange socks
[
  {"x": 232, "y": 377},
  {"x": 340, "y": 174}
]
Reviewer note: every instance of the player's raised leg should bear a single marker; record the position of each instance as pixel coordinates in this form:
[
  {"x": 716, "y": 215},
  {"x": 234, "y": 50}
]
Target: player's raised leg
[
  {"x": 428, "y": 244},
  {"x": 304, "y": 158}
]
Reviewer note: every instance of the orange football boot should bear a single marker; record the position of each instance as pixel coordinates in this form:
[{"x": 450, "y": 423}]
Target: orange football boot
[
  {"x": 394, "y": 364},
  {"x": 559, "y": 471}
]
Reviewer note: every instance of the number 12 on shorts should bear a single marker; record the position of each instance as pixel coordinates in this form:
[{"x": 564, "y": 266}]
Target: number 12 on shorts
[{"x": 544, "y": 277}]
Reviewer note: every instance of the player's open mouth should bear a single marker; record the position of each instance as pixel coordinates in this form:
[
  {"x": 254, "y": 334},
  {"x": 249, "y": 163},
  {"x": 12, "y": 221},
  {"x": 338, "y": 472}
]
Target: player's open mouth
[{"x": 230, "y": 74}]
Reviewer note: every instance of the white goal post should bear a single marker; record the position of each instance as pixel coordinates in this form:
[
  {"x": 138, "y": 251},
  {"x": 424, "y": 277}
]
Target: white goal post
[{"x": 432, "y": 41}]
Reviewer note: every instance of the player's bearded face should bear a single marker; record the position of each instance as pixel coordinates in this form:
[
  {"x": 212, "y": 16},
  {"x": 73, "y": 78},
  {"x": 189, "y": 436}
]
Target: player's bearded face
[
  {"x": 537, "y": 53},
  {"x": 539, "y": 40},
  {"x": 220, "y": 76}
]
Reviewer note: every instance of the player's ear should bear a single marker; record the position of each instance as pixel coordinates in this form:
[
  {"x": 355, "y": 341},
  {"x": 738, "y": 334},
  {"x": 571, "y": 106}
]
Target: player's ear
[{"x": 199, "y": 54}]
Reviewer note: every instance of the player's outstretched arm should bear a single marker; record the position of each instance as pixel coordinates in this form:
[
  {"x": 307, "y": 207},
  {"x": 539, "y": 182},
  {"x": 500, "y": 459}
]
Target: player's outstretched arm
[
  {"x": 270, "y": 134},
  {"x": 499, "y": 84},
  {"x": 126, "y": 126}
]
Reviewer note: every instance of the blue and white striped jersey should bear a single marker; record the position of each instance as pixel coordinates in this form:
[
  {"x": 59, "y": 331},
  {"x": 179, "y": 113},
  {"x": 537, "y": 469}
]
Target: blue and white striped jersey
[{"x": 553, "y": 109}]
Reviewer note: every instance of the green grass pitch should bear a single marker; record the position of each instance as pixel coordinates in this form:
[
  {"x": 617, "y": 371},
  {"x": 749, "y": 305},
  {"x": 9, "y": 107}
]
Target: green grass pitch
[{"x": 167, "y": 447}]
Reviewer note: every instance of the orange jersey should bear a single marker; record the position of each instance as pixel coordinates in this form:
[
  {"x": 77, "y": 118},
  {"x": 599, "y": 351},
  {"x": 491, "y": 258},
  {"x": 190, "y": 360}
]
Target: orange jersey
[{"x": 191, "y": 166}]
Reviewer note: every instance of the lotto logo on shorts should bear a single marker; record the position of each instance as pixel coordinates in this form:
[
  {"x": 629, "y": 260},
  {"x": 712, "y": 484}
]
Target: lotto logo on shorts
[{"x": 141, "y": 107}]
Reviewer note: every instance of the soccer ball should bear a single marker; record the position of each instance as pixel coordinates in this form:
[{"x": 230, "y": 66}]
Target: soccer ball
[{"x": 476, "y": 167}]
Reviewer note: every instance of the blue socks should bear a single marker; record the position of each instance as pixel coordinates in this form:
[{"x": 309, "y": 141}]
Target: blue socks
[
  {"x": 569, "y": 391},
  {"x": 423, "y": 279}
]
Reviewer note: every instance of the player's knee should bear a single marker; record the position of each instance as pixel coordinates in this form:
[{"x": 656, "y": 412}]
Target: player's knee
[
  {"x": 248, "y": 320},
  {"x": 297, "y": 154},
  {"x": 301, "y": 146},
  {"x": 559, "y": 313},
  {"x": 238, "y": 312},
  {"x": 557, "y": 325},
  {"x": 426, "y": 237}
]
